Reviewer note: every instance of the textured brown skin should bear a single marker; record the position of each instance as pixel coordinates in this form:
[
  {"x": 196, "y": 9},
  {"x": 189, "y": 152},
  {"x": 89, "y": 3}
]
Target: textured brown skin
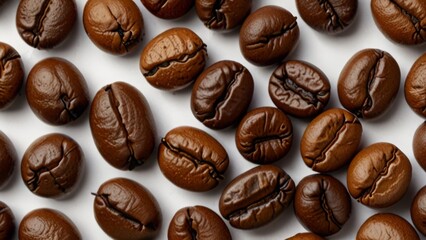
[
  {"x": 198, "y": 221},
  {"x": 168, "y": 9},
  {"x": 192, "y": 159},
  {"x": 418, "y": 210},
  {"x": 8, "y": 159},
  {"x": 402, "y": 21},
  {"x": 415, "y": 86},
  {"x": 264, "y": 135},
  {"x": 419, "y": 145},
  {"x": 299, "y": 88},
  {"x": 56, "y": 91},
  {"x": 114, "y": 26},
  {"x": 222, "y": 94},
  {"x": 386, "y": 226},
  {"x": 330, "y": 140},
  {"x": 173, "y": 59},
  {"x": 305, "y": 236},
  {"x": 379, "y": 175},
  {"x": 331, "y": 16},
  {"x": 52, "y": 165},
  {"x": 44, "y": 24},
  {"x": 268, "y": 35},
  {"x": 368, "y": 83},
  {"x": 11, "y": 75},
  {"x": 225, "y": 15},
  {"x": 122, "y": 125},
  {"x": 126, "y": 210},
  {"x": 7, "y": 222},
  {"x": 256, "y": 197}
]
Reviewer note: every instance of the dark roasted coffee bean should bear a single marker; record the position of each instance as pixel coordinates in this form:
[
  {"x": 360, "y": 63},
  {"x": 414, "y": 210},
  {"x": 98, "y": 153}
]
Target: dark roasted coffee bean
[
  {"x": 419, "y": 145},
  {"x": 299, "y": 88},
  {"x": 7, "y": 222},
  {"x": 7, "y": 159},
  {"x": 418, "y": 210},
  {"x": 415, "y": 86},
  {"x": 222, "y": 94},
  {"x": 168, "y": 9},
  {"x": 305, "y": 236},
  {"x": 11, "y": 75},
  {"x": 256, "y": 197},
  {"x": 124, "y": 209},
  {"x": 192, "y": 159}
]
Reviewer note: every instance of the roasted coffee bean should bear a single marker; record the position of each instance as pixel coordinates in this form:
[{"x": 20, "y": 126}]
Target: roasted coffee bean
[
  {"x": 124, "y": 209},
  {"x": 7, "y": 159},
  {"x": 418, "y": 210},
  {"x": 52, "y": 165},
  {"x": 402, "y": 21},
  {"x": 386, "y": 226},
  {"x": 268, "y": 35},
  {"x": 114, "y": 26},
  {"x": 256, "y": 197},
  {"x": 264, "y": 135},
  {"x": 56, "y": 91},
  {"x": 369, "y": 82},
  {"x": 192, "y": 159},
  {"x": 197, "y": 222},
  {"x": 322, "y": 204},
  {"x": 222, "y": 94},
  {"x": 122, "y": 125},
  {"x": 419, "y": 145},
  {"x": 168, "y": 9},
  {"x": 227, "y": 14},
  {"x": 47, "y": 223},
  {"x": 7, "y": 222},
  {"x": 11, "y": 75},
  {"x": 44, "y": 24},
  {"x": 305, "y": 236},
  {"x": 379, "y": 175},
  {"x": 173, "y": 59},
  {"x": 330, "y": 140},
  {"x": 415, "y": 86},
  {"x": 299, "y": 88}
]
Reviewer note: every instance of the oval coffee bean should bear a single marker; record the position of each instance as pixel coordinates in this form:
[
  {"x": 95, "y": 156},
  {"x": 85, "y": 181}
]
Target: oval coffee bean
[
  {"x": 369, "y": 82},
  {"x": 7, "y": 159},
  {"x": 122, "y": 125},
  {"x": 256, "y": 197},
  {"x": 173, "y": 59},
  {"x": 11, "y": 75},
  {"x": 222, "y": 94},
  {"x": 299, "y": 88},
  {"x": 415, "y": 86},
  {"x": 124, "y": 209},
  {"x": 418, "y": 210},
  {"x": 419, "y": 145},
  {"x": 192, "y": 159},
  {"x": 7, "y": 222},
  {"x": 197, "y": 222},
  {"x": 169, "y": 9},
  {"x": 379, "y": 175},
  {"x": 305, "y": 236}
]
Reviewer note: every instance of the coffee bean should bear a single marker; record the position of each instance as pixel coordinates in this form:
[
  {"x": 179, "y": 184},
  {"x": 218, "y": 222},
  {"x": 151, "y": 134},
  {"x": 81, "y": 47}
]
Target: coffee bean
[
  {"x": 418, "y": 210},
  {"x": 192, "y": 159},
  {"x": 7, "y": 160},
  {"x": 419, "y": 145},
  {"x": 256, "y": 197},
  {"x": 11, "y": 75},
  {"x": 305, "y": 236},
  {"x": 415, "y": 86},
  {"x": 386, "y": 226},
  {"x": 7, "y": 222},
  {"x": 168, "y": 9}
]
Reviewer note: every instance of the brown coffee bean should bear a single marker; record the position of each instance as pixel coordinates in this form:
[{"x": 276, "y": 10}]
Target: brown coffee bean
[
  {"x": 11, "y": 75},
  {"x": 419, "y": 145},
  {"x": 7, "y": 222},
  {"x": 122, "y": 125},
  {"x": 299, "y": 88},
  {"x": 256, "y": 197},
  {"x": 124, "y": 209},
  {"x": 44, "y": 24},
  {"x": 305, "y": 236},
  {"x": 7, "y": 159},
  {"x": 379, "y": 175},
  {"x": 222, "y": 94},
  {"x": 192, "y": 159},
  {"x": 197, "y": 222},
  {"x": 168, "y": 9},
  {"x": 418, "y": 210},
  {"x": 369, "y": 82},
  {"x": 415, "y": 86},
  {"x": 330, "y": 140},
  {"x": 173, "y": 59}
]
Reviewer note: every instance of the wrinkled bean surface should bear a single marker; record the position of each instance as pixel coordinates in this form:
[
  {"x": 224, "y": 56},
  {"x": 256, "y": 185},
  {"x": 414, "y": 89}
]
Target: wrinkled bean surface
[
  {"x": 8, "y": 159},
  {"x": 11, "y": 75},
  {"x": 7, "y": 222},
  {"x": 415, "y": 86},
  {"x": 168, "y": 9}
]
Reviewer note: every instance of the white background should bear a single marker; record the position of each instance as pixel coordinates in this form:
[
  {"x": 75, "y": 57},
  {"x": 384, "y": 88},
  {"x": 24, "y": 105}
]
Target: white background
[{"x": 170, "y": 110}]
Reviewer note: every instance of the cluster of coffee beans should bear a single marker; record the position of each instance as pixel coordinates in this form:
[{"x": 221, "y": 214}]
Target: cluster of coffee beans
[{"x": 203, "y": 119}]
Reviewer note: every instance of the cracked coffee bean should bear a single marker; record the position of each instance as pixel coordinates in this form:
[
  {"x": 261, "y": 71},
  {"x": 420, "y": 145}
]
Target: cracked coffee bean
[
  {"x": 173, "y": 59},
  {"x": 168, "y": 9},
  {"x": 264, "y": 135},
  {"x": 256, "y": 197},
  {"x": 418, "y": 210},
  {"x": 122, "y": 125},
  {"x": 322, "y": 204},
  {"x": 368, "y": 83},
  {"x": 415, "y": 86},
  {"x": 197, "y": 222},
  {"x": 56, "y": 91},
  {"x": 268, "y": 35},
  {"x": 332, "y": 16},
  {"x": 124, "y": 209},
  {"x": 192, "y": 159},
  {"x": 299, "y": 88},
  {"x": 222, "y": 94},
  {"x": 47, "y": 223},
  {"x": 224, "y": 14},
  {"x": 11, "y": 75},
  {"x": 379, "y": 175},
  {"x": 44, "y": 24},
  {"x": 330, "y": 140},
  {"x": 7, "y": 160},
  {"x": 305, "y": 236},
  {"x": 114, "y": 26},
  {"x": 7, "y": 222},
  {"x": 402, "y": 21}
]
